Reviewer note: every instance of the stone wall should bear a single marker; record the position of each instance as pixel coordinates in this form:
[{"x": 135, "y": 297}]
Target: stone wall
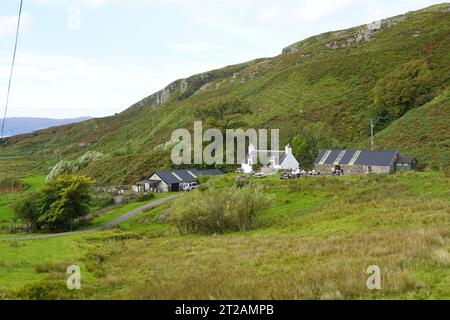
[{"x": 325, "y": 169}]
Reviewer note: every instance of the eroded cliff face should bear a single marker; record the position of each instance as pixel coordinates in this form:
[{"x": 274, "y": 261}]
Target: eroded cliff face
[
  {"x": 184, "y": 88},
  {"x": 159, "y": 97},
  {"x": 345, "y": 38}
]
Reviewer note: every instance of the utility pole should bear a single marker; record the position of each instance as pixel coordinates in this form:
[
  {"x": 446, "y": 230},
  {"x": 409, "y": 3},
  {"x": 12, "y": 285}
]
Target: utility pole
[
  {"x": 153, "y": 126},
  {"x": 371, "y": 131},
  {"x": 12, "y": 190}
]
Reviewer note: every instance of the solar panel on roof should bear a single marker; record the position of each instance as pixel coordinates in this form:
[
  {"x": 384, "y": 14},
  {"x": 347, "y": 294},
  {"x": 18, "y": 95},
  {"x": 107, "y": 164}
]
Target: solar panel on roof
[
  {"x": 332, "y": 157},
  {"x": 339, "y": 157},
  {"x": 323, "y": 156},
  {"x": 347, "y": 157}
]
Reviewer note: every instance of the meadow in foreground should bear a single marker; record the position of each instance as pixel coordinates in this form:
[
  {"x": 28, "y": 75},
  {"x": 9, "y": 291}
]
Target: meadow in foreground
[{"x": 315, "y": 242}]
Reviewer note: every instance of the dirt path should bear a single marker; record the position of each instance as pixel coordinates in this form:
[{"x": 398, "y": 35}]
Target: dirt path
[{"x": 113, "y": 223}]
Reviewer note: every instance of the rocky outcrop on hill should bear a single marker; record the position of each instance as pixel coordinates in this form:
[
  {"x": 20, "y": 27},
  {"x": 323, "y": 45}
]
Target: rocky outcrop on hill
[{"x": 344, "y": 38}]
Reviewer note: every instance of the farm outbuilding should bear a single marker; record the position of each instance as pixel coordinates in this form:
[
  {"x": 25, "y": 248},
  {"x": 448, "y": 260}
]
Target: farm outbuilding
[
  {"x": 405, "y": 163},
  {"x": 363, "y": 161},
  {"x": 173, "y": 180}
]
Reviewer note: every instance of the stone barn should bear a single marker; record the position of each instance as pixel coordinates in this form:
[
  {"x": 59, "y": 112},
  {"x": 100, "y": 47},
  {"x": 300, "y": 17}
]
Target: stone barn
[{"x": 362, "y": 161}]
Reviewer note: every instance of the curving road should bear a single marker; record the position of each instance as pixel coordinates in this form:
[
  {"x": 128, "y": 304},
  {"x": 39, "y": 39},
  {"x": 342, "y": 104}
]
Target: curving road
[{"x": 110, "y": 224}]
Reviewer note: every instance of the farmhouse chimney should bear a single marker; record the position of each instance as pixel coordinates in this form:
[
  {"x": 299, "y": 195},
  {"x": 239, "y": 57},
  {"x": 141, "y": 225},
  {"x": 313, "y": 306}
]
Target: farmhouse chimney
[{"x": 288, "y": 149}]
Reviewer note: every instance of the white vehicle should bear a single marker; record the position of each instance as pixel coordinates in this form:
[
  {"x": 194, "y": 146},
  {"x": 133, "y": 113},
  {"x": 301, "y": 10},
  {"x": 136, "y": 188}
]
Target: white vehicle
[
  {"x": 190, "y": 186},
  {"x": 259, "y": 175}
]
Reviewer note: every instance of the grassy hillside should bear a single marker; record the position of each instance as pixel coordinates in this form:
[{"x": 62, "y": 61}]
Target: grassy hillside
[
  {"x": 424, "y": 132},
  {"x": 316, "y": 242},
  {"x": 327, "y": 79}
]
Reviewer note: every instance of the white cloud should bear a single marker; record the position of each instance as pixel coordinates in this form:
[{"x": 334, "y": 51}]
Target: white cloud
[
  {"x": 65, "y": 86},
  {"x": 194, "y": 47},
  {"x": 8, "y": 24},
  {"x": 209, "y": 34},
  {"x": 85, "y": 3},
  {"x": 315, "y": 11}
]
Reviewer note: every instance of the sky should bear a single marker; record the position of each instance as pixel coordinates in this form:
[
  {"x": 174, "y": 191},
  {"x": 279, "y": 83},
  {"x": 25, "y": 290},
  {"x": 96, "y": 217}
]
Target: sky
[{"x": 98, "y": 57}]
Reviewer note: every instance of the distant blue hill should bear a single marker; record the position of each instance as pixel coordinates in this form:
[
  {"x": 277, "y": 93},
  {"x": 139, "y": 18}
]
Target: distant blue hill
[{"x": 20, "y": 125}]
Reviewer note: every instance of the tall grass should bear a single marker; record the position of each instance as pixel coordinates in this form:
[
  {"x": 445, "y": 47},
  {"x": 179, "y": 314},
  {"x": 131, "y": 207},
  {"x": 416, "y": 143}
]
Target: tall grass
[{"x": 218, "y": 210}]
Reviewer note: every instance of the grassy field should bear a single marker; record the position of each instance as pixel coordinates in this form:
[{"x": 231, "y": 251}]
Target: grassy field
[
  {"x": 315, "y": 242},
  {"x": 7, "y": 198}
]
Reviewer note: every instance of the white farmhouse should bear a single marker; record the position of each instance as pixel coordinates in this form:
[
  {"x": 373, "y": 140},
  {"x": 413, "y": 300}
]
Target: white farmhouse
[{"x": 278, "y": 159}]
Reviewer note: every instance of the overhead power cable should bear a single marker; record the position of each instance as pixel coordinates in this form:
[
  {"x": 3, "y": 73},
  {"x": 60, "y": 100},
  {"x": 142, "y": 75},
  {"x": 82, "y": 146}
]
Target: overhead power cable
[{"x": 12, "y": 69}]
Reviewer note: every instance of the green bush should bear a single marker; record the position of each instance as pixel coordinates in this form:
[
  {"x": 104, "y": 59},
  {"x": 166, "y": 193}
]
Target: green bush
[
  {"x": 64, "y": 200},
  {"x": 202, "y": 179},
  {"x": 46, "y": 290},
  {"x": 28, "y": 211},
  {"x": 57, "y": 204},
  {"x": 146, "y": 197},
  {"x": 218, "y": 210}
]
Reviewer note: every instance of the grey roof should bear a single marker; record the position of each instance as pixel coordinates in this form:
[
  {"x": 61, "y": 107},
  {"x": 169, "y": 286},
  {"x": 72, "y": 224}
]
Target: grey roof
[
  {"x": 365, "y": 157},
  {"x": 186, "y": 175}
]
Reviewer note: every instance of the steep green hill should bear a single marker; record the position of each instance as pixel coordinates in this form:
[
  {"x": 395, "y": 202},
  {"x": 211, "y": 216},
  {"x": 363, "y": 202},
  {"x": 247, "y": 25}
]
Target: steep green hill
[
  {"x": 424, "y": 132},
  {"x": 330, "y": 79}
]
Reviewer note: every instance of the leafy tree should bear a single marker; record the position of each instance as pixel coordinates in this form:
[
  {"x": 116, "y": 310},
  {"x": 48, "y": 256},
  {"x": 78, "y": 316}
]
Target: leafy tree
[
  {"x": 308, "y": 142},
  {"x": 406, "y": 87},
  {"x": 27, "y": 210},
  {"x": 64, "y": 200},
  {"x": 303, "y": 149}
]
